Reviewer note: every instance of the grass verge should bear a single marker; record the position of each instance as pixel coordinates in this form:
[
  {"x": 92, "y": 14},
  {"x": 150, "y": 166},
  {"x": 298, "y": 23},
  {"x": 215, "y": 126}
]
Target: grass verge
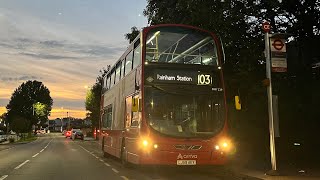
[{"x": 27, "y": 139}]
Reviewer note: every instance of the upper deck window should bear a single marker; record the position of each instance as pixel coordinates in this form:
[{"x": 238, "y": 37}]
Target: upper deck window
[
  {"x": 128, "y": 66},
  {"x": 118, "y": 76},
  {"x": 180, "y": 45},
  {"x": 137, "y": 56}
]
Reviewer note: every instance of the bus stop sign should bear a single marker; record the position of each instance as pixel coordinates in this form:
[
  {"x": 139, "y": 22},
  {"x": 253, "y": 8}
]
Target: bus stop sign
[{"x": 278, "y": 44}]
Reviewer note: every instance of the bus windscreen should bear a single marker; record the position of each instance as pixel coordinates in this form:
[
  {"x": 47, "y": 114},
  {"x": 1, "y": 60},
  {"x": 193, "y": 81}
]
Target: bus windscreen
[{"x": 180, "y": 45}]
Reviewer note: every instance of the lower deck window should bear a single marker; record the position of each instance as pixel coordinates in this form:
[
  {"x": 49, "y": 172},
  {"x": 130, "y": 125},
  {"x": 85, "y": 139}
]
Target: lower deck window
[{"x": 107, "y": 117}]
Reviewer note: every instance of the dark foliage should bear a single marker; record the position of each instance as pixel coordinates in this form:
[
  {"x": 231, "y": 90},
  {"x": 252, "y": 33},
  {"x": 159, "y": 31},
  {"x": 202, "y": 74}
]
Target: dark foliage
[{"x": 20, "y": 108}]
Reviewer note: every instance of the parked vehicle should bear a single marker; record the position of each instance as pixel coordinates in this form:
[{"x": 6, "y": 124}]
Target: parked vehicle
[
  {"x": 77, "y": 134},
  {"x": 67, "y": 134},
  {"x": 41, "y": 131},
  {"x": 3, "y": 136}
]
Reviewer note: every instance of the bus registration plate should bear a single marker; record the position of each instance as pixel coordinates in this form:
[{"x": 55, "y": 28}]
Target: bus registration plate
[{"x": 186, "y": 162}]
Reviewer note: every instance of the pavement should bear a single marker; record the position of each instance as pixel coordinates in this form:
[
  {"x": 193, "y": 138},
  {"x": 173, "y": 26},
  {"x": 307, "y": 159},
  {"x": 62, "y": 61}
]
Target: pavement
[{"x": 261, "y": 171}]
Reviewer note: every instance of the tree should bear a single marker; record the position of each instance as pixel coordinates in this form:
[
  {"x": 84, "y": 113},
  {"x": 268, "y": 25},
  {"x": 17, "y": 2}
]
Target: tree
[
  {"x": 132, "y": 35},
  {"x": 29, "y": 96},
  {"x": 20, "y": 124},
  {"x": 93, "y": 99}
]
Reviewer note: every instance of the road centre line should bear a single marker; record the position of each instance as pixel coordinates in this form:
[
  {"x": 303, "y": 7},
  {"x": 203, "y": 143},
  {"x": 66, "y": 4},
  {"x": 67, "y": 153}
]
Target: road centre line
[
  {"x": 101, "y": 160},
  {"x": 114, "y": 170},
  {"x": 3, "y": 177},
  {"x": 46, "y": 145},
  {"x": 125, "y": 178},
  {"x": 42, "y": 150},
  {"x": 35, "y": 155},
  {"x": 22, "y": 164},
  {"x": 107, "y": 164}
]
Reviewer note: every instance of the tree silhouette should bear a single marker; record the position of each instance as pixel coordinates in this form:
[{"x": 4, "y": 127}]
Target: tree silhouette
[
  {"x": 133, "y": 34},
  {"x": 93, "y": 98},
  {"x": 30, "y": 102}
]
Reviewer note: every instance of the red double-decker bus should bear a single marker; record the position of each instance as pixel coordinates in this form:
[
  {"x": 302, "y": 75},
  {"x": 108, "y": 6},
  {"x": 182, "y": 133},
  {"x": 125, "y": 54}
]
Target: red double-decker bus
[{"x": 163, "y": 101}]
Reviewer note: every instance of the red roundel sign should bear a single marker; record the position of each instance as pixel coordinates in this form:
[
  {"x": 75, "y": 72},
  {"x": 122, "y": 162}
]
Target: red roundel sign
[
  {"x": 266, "y": 26},
  {"x": 278, "y": 44}
]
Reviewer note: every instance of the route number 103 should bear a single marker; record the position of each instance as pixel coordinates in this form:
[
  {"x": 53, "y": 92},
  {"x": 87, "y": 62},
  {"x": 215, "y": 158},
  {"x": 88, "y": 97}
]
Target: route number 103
[{"x": 204, "y": 79}]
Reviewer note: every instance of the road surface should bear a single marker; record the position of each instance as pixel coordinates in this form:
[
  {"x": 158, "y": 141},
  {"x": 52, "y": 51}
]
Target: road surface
[{"x": 54, "y": 157}]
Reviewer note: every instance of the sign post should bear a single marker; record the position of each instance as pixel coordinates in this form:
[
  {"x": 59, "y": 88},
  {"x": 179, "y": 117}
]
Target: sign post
[{"x": 266, "y": 28}]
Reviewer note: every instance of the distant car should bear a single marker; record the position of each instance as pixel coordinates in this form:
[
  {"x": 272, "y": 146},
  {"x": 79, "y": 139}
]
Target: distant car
[
  {"x": 67, "y": 134},
  {"x": 42, "y": 131},
  {"x": 3, "y": 136},
  {"x": 77, "y": 134}
]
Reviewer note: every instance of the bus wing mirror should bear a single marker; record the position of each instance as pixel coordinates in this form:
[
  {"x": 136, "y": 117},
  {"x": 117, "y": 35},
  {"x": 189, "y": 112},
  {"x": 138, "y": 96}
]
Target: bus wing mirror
[{"x": 237, "y": 102}]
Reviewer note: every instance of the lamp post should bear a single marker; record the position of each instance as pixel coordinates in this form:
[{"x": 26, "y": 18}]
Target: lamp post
[
  {"x": 68, "y": 120},
  {"x": 61, "y": 119},
  {"x": 33, "y": 109}
]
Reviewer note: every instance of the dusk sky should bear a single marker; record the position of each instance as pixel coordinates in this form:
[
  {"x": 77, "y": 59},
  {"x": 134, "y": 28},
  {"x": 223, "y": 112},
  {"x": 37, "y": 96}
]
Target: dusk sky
[{"x": 64, "y": 44}]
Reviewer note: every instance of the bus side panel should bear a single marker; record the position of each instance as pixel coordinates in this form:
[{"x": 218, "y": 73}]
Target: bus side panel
[
  {"x": 132, "y": 145},
  {"x": 132, "y": 133}
]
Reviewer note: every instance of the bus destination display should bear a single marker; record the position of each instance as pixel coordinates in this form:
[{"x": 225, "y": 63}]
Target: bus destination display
[{"x": 180, "y": 77}]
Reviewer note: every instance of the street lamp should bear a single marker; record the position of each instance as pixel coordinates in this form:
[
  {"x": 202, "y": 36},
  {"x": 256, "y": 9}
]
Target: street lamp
[
  {"x": 68, "y": 120},
  {"x": 33, "y": 115},
  {"x": 61, "y": 120}
]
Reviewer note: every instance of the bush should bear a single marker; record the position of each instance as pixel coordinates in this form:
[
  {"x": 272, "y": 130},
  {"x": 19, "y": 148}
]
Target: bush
[{"x": 11, "y": 140}]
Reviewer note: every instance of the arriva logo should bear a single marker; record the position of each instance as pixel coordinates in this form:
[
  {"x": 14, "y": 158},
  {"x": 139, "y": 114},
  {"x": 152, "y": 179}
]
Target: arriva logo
[{"x": 187, "y": 156}]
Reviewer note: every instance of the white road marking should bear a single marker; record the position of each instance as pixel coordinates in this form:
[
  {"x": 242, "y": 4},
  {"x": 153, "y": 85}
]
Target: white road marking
[
  {"x": 125, "y": 178},
  {"x": 107, "y": 164},
  {"x": 114, "y": 170},
  {"x": 22, "y": 164},
  {"x": 3, "y": 177},
  {"x": 42, "y": 150},
  {"x": 35, "y": 155}
]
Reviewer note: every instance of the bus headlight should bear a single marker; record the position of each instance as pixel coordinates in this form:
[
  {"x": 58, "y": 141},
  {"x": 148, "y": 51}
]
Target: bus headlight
[
  {"x": 155, "y": 146},
  {"x": 224, "y": 145},
  {"x": 145, "y": 143}
]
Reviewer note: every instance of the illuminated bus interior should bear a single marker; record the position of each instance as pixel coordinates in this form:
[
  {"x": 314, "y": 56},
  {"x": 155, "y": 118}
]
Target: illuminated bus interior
[{"x": 180, "y": 45}]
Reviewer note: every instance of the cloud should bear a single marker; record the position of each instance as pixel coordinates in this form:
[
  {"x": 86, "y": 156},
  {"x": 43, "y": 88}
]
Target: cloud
[
  {"x": 57, "y": 50},
  {"x": 47, "y": 56},
  {"x": 65, "y": 58},
  {"x": 19, "y": 78}
]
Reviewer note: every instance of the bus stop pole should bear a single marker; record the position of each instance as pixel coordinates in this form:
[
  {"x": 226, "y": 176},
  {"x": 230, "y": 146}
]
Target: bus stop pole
[{"x": 270, "y": 104}]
